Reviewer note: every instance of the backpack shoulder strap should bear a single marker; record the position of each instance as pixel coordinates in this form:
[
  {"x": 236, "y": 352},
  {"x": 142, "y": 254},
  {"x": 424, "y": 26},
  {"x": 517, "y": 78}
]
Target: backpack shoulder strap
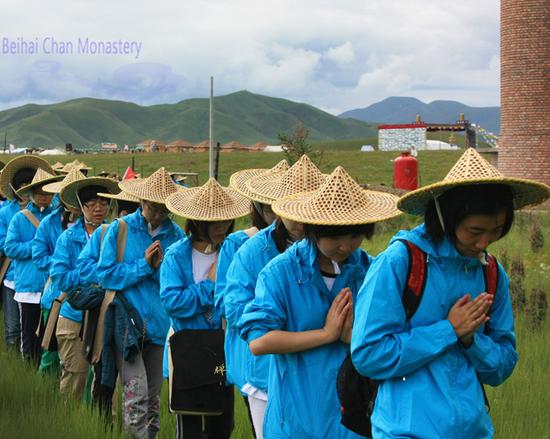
[
  {"x": 490, "y": 274},
  {"x": 103, "y": 230},
  {"x": 121, "y": 240},
  {"x": 32, "y": 219},
  {"x": 416, "y": 278}
]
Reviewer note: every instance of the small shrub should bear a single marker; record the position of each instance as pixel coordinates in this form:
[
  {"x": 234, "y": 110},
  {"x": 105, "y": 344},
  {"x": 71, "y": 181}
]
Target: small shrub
[
  {"x": 536, "y": 238},
  {"x": 518, "y": 267},
  {"x": 517, "y": 292},
  {"x": 537, "y": 309}
]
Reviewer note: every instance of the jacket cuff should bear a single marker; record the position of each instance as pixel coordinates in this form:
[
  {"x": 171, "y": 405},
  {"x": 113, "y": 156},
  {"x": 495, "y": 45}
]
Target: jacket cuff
[
  {"x": 478, "y": 350},
  {"x": 144, "y": 268},
  {"x": 255, "y": 333}
]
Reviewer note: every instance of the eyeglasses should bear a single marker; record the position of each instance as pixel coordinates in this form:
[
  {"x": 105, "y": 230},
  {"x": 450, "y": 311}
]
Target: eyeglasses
[{"x": 102, "y": 204}]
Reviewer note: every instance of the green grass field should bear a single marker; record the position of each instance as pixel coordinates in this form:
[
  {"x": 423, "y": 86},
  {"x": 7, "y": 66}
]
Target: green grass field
[{"x": 30, "y": 406}]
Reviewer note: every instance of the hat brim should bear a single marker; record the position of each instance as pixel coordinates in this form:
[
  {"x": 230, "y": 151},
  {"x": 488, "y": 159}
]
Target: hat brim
[
  {"x": 68, "y": 194},
  {"x": 121, "y": 196},
  {"x": 181, "y": 204},
  {"x": 524, "y": 192},
  {"x": 265, "y": 187},
  {"x": 16, "y": 164},
  {"x": 139, "y": 188},
  {"x": 42, "y": 183},
  {"x": 381, "y": 206},
  {"x": 238, "y": 180}
]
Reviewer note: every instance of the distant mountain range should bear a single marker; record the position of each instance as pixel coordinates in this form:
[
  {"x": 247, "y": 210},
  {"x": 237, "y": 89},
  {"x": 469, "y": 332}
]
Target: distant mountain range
[
  {"x": 404, "y": 110},
  {"x": 242, "y": 116}
]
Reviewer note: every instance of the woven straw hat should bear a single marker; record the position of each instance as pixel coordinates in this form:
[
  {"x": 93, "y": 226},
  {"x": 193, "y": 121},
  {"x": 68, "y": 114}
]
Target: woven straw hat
[
  {"x": 68, "y": 194},
  {"x": 302, "y": 176},
  {"x": 41, "y": 178},
  {"x": 239, "y": 179},
  {"x": 340, "y": 201},
  {"x": 121, "y": 196},
  {"x": 16, "y": 164},
  {"x": 209, "y": 202},
  {"x": 74, "y": 164},
  {"x": 472, "y": 169},
  {"x": 155, "y": 188},
  {"x": 57, "y": 165},
  {"x": 73, "y": 175}
]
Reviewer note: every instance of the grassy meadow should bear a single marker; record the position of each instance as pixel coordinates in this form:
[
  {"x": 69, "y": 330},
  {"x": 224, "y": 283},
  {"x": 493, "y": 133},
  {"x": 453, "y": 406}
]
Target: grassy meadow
[{"x": 30, "y": 406}]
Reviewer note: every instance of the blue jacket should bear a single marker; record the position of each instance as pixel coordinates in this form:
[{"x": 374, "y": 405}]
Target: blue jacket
[
  {"x": 292, "y": 296},
  {"x": 7, "y": 212},
  {"x": 42, "y": 250},
  {"x": 137, "y": 279},
  {"x": 234, "y": 345},
  {"x": 21, "y": 232},
  {"x": 241, "y": 279},
  {"x": 190, "y": 305},
  {"x": 89, "y": 257},
  {"x": 64, "y": 271},
  {"x": 422, "y": 356}
]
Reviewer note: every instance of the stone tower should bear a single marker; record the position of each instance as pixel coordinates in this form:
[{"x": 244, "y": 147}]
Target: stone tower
[{"x": 524, "y": 142}]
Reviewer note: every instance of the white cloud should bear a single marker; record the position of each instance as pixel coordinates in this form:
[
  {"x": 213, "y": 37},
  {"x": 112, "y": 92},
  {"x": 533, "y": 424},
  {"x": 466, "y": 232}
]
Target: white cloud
[{"x": 337, "y": 56}]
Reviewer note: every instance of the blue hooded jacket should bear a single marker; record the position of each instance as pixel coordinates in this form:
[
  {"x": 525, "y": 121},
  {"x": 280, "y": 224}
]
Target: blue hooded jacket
[
  {"x": 21, "y": 232},
  {"x": 241, "y": 279},
  {"x": 64, "y": 270},
  {"x": 234, "y": 345},
  {"x": 135, "y": 277},
  {"x": 189, "y": 305},
  {"x": 429, "y": 385},
  {"x": 7, "y": 212},
  {"x": 42, "y": 250},
  {"x": 89, "y": 257},
  {"x": 292, "y": 296}
]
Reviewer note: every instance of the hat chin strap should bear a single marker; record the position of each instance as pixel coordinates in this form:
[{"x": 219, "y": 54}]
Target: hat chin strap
[{"x": 439, "y": 214}]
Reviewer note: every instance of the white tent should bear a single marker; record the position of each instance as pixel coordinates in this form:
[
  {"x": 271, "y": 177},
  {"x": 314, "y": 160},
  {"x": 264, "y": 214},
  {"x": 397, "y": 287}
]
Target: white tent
[
  {"x": 367, "y": 148},
  {"x": 437, "y": 145},
  {"x": 53, "y": 152},
  {"x": 273, "y": 148}
]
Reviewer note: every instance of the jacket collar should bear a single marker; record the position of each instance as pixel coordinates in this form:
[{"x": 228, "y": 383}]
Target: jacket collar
[
  {"x": 137, "y": 222},
  {"x": 304, "y": 253}
]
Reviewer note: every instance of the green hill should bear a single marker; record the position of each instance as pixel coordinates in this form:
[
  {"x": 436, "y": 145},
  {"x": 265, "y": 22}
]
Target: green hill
[{"x": 242, "y": 116}]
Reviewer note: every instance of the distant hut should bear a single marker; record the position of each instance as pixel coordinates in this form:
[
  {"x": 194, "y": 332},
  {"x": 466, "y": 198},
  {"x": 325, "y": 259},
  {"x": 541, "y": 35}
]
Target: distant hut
[
  {"x": 153, "y": 145},
  {"x": 179, "y": 145},
  {"x": 234, "y": 145},
  {"x": 202, "y": 146},
  {"x": 258, "y": 146}
]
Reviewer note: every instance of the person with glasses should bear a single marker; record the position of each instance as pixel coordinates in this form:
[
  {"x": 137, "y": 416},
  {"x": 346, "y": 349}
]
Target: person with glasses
[
  {"x": 65, "y": 275},
  {"x": 149, "y": 233}
]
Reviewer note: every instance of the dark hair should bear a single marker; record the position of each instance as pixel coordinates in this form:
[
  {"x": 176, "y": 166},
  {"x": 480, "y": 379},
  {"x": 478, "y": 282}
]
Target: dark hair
[
  {"x": 128, "y": 206},
  {"x": 313, "y": 231},
  {"x": 258, "y": 220},
  {"x": 458, "y": 203},
  {"x": 22, "y": 177},
  {"x": 280, "y": 235},
  {"x": 88, "y": 193},
  {"x": 198, "y": 230}
]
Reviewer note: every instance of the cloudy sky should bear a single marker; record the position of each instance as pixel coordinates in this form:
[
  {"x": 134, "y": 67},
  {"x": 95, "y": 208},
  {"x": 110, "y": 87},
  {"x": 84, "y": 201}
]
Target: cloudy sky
[{"x": 336, "y": 55}]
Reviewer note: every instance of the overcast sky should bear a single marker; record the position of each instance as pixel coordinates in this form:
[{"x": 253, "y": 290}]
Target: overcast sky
[{"x": 336, "y": 55}]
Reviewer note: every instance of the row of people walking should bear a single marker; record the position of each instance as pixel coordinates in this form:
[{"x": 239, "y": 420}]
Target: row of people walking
[{"x": 291, "y": 296}]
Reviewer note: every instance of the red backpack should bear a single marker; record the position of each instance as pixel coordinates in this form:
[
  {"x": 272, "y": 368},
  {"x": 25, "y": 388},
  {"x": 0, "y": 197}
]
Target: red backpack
[{"x": 357, "y": 393}]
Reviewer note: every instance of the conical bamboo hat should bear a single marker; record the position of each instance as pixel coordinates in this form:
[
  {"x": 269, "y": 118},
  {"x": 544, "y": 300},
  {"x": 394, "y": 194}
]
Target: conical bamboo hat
[
  {"x": 302, "y": 176},
  {"x": 239, "y": 179},
  {"x": 15, "y": 165},
  {"x": 340, "y": 201},
  {"x": 472, "y": 169},
  {"x": 209, "y": 202},
  {"x": 73, "y": 175},
  {"x": 40, "y": 178},
  {"x": 155, "y": 188},
  {"x": 69, "y": 192}
]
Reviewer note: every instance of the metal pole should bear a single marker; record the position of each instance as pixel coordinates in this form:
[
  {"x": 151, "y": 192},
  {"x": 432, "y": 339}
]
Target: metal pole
[{"x": 211, "y": 129}]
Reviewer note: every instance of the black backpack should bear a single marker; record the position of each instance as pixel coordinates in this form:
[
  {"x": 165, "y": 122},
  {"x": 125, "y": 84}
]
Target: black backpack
[{"x": 357, "y": 393}]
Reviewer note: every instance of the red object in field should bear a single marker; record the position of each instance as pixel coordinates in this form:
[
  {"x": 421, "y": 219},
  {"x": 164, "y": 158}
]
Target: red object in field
[
  {"x": 129, "y": 174},
  {"x": 405, "y": 172}
]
